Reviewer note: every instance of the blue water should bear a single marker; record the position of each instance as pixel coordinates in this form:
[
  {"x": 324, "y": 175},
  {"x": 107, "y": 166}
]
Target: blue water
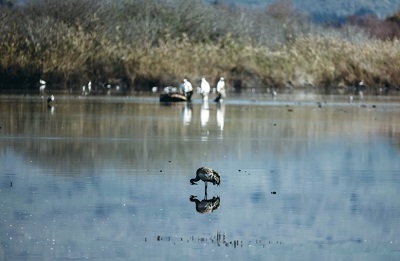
[{"x": 109, "y": 179}]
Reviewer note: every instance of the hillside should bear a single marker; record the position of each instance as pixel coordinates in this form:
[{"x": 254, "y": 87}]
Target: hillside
[{"x": 329, "y": 8}]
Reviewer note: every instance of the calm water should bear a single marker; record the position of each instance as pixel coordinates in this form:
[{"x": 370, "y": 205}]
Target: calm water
[{"x": 108, "y": 179}]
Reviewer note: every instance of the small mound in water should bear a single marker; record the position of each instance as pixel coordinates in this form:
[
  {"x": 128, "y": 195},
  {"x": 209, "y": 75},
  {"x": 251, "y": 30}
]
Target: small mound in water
[{"x": 172, "y": 97}]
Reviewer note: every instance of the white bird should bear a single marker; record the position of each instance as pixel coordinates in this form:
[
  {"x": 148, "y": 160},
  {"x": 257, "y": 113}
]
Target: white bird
[
  {"x": 154, "y": 89},
  {"x": 42, "y": 82},
  {"x": 89, "y": 86}
]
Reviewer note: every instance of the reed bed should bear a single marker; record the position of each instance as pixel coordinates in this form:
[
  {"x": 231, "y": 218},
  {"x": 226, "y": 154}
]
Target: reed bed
[{"x": 142, "y": 44}]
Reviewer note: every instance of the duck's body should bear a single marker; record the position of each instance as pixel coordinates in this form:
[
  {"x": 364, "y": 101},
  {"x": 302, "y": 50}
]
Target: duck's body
[{"x": 207, "y": 175}]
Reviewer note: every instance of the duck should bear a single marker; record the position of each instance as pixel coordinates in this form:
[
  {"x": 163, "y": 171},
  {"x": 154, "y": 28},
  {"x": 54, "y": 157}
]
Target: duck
[{"x": 207, "y": 175}]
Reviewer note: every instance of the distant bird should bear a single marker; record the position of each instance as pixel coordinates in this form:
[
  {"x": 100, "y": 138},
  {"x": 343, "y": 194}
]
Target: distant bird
[
  {"x": 206, "y": 205},
  {"x": 154, "y": 89},
  {"x": 42, "y": 82},
  {"x": 207, "y": 175},
  {"x": 89, "y": 86},
  {"x": 50, "y": 98}
]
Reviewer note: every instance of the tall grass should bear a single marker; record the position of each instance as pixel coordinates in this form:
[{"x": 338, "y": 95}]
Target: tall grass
[{"x": 145, "y": 43}]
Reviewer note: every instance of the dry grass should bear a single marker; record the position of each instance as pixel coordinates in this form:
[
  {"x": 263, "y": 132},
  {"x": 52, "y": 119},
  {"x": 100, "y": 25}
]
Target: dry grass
[{"x": 146, "y": 50}]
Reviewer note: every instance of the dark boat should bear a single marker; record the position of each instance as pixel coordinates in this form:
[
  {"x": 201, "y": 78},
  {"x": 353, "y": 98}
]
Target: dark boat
[{"x": 172, "y": 97}]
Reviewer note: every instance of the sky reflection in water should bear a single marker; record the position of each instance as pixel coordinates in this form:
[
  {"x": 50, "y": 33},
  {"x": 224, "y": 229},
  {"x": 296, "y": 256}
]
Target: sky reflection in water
[{"x": 110, "y": 179}]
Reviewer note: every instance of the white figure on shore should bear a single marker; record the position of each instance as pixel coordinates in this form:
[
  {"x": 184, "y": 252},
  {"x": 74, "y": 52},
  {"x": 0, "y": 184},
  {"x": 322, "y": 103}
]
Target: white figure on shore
[
  {"x": 205, "y": 89},
  {"x": 188, "y": 89},
  {"x": 42, "y": 85},
  {"x": 221, "y": 93}
]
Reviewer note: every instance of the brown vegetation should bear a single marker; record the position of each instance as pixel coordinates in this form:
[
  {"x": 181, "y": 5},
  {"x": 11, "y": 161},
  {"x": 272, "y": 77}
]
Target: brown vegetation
[{"x": 143, "y": 43}]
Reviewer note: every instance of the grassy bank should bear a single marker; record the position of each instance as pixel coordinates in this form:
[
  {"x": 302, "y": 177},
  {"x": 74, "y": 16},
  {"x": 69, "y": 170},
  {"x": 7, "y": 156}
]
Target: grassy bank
[{"x": 140, "y": 44}]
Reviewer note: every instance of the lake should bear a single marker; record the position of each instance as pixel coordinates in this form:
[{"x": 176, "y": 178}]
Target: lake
[{"x": 107, "y": 178}]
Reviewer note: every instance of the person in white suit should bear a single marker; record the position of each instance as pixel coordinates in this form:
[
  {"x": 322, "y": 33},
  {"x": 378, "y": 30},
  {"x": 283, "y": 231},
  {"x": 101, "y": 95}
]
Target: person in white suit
[
  {"x": 205, "y": 89},
  {"x": 188, "y": 89},
  {"x": 221, "y": 93}
]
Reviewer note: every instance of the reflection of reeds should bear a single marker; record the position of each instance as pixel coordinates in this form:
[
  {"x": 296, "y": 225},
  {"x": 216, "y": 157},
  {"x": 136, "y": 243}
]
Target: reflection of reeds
[
  {"x": 100, "y": 133},
  {"x": 219, "y": 240},
  {"x": 149, "y": 43}
]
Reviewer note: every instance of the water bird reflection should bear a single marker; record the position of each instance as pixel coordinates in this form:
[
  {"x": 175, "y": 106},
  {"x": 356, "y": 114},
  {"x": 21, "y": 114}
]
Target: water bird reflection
[{"x": 206, "y": 205}]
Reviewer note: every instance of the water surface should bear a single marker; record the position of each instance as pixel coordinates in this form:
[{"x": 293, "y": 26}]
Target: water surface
[{"x": 108, "y": 178}]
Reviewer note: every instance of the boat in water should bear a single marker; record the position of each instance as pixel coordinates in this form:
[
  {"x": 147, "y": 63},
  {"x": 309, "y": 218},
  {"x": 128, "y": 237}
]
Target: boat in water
[
  {"x": 171, "y": 94},
  {"x": 172, "y": 97}
]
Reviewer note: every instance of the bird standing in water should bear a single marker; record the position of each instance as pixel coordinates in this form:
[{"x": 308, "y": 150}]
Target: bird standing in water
[{"x": 207, "y": 175}]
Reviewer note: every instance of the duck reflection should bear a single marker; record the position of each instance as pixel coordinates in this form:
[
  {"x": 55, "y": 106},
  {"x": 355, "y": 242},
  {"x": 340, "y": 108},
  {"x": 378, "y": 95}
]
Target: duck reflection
[
  {"x": 187, "y": 114},
  {"x": 206, "y": 205}
]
